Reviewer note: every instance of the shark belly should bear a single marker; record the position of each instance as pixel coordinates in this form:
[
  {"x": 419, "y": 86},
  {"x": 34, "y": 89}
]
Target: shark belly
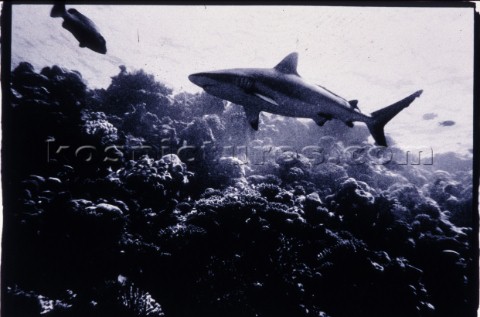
[
  {"x": 279, "y": 103},
  {"x": 293, "y": 109},
  {"x": 298, "y": 107}
]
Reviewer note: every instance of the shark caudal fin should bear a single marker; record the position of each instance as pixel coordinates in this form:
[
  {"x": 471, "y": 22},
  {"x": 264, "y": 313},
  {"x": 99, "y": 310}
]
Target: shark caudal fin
[
  {"x": 381, "y": 117},
  {"x": 58, "y": 10}
]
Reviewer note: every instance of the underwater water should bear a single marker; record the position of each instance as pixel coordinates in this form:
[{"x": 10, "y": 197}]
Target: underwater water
[
  {"x": 130, "y": 192},
  {"x": 374, "y": 55}
]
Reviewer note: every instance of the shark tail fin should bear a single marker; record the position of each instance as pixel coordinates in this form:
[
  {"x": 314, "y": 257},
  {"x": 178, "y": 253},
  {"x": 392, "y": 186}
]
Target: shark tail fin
[
  {"x": 58, "y": 10},
  {"x": 381, "y": 117}
]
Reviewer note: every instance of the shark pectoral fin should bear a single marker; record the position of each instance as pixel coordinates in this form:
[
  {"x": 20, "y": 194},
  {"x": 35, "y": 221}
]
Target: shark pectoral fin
[
  {"x": 349, "y": 124},
  {"x": 267, "y": 99},
  {"x": 252, "y": 117}
]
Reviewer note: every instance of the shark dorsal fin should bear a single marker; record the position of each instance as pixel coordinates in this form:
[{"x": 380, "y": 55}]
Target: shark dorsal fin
[{"x": 288, "y": 65}]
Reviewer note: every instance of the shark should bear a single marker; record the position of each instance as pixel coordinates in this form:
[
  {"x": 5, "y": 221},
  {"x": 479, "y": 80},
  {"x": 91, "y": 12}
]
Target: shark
[{"x": 281, "y": 90}]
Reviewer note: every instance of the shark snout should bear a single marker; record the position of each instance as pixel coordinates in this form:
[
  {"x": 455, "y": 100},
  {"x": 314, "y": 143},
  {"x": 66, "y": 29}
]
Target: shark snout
[
  {"x": 194, "y": 78},
  {"x": 200, "y": 79},
  {"x": 209, "y": 79}
]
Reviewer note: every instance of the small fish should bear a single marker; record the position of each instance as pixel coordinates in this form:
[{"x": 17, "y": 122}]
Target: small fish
[
  {"x": 447, "y": 123},
  {"x": 81, "y": 27},
  {"x": 429, "y": 116}
]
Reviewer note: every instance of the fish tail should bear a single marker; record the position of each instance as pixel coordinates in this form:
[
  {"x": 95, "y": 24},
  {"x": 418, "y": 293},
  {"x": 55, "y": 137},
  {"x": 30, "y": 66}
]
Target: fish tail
[
  {"x": 58, "y": 10},
  {"x": 381, "y": 117}
]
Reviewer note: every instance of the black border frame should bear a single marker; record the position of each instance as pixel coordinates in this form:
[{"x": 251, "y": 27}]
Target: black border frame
[{"x": 8, "y": 129}]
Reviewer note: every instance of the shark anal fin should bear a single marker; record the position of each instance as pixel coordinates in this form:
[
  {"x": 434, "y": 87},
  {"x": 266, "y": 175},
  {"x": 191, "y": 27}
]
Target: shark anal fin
[
  {"x": 320, "y": 121},
  {"x": 252, "y": 117},
  {"x": 322, "y": 118}
]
